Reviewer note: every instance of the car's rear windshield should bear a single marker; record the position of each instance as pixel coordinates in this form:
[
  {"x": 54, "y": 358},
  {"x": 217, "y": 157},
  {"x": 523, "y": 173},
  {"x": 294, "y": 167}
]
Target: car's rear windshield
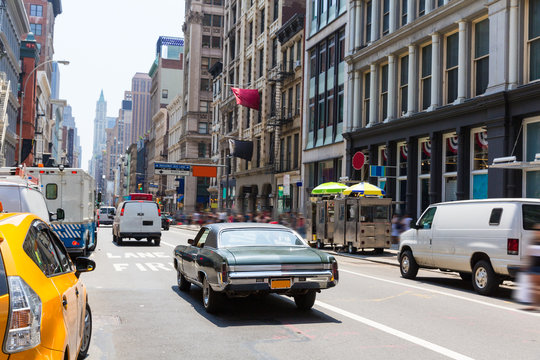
[
  {"x": 258, "y": 237},
  {"x": 531, "y": 216},
  {"x": 107, "y": 210}
]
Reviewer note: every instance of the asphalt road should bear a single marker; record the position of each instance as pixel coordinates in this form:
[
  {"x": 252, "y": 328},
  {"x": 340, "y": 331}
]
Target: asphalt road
[{"x": 139, "y": 313}]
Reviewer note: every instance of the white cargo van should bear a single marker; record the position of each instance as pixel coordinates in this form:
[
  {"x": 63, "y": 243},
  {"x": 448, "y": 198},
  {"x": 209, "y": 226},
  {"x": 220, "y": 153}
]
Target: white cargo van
[
  {"x": 484, "y": 240},
  {"x": 137, "y": 219}
]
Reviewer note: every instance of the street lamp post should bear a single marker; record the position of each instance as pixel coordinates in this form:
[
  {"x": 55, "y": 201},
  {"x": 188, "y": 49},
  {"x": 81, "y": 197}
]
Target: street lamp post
[{"x": 63, "y": 62}]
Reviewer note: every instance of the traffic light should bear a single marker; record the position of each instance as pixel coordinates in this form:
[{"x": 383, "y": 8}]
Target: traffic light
[{"x": 140, "y": 186}]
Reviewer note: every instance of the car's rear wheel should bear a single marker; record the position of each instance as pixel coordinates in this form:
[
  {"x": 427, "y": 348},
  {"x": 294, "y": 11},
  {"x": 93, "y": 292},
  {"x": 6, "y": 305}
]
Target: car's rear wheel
[
  {"x": 484, "y": 279},
  {"x": 87, "y": 334},
  {"x": 305, "y": 301},
  {"x": 183, "y": 283},
  {"x": 379, "y": 251},
  {"x": 210, "y": 298},
  {"x": 407, "y": 265}
]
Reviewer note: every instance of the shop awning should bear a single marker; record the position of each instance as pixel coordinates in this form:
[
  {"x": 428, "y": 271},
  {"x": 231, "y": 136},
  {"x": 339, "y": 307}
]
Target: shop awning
[{"x": 511, "y": 163}]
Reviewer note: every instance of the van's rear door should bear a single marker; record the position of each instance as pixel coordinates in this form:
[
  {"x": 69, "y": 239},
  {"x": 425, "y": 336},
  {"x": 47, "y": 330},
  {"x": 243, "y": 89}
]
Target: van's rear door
[
  {"x": 151, "y": 221},
  {"x": 132, "y": 218}
]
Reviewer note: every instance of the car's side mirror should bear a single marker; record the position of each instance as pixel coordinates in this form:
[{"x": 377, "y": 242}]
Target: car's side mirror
[
  {"x": 190, "y": 241},
  {"x": 84, "y": 264},
  {"x": 414, "y": 225},
  {"x": 60, "y": 214}
]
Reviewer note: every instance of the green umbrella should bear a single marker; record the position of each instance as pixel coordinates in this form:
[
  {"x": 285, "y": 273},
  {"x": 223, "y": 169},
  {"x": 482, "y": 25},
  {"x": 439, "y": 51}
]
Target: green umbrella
[{"x": 329, "y": 188}]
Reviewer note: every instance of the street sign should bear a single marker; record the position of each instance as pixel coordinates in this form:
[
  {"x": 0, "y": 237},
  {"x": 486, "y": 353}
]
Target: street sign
[
  {"x": 172, "y": 169},
  {"x": 358, "y": 160},
  {"x": 377, "y": 171}
]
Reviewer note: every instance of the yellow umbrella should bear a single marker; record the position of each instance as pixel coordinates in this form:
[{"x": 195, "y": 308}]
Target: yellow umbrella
[{"x": 364, "y": 189}]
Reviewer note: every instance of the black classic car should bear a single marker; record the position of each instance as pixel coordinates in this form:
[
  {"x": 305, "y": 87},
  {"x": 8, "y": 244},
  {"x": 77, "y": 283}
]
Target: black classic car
[{"x": 240, "y": 259}]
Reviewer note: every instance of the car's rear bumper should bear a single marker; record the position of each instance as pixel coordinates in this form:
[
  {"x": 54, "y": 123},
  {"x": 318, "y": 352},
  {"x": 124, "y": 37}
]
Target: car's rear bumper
[
  {"x": 140, "y": 234},
  {"x": 262, "y": 281}
]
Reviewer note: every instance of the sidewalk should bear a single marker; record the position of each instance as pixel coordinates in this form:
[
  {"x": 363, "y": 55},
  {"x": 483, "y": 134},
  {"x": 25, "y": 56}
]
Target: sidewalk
[{"x": 389, "y": 256}]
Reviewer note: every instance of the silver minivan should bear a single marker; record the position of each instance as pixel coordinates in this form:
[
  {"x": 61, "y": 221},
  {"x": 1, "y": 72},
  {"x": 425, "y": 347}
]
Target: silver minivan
[{"x": 137, "y": 219}]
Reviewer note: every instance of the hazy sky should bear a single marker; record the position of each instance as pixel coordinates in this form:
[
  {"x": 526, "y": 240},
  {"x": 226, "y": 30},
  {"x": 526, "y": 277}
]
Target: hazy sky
[{"x": 107, "y": 42}]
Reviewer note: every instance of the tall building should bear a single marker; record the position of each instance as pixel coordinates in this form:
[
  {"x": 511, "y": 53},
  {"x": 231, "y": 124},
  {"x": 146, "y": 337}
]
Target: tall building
[
  {"x": 190, "y": 137},
  {"x": 251, "y": 50},
  {"x": 442, "y": 89},
  {"x": 140, "y": 92},
  {"x": 325, "y": 91},
  {"x": 13, "y": 26},
  {"x": 100, "y": 122}
]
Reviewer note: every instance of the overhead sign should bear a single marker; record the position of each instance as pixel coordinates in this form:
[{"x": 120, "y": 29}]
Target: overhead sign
[
  {"x": 358, "y": 160},
  {"x": 172, "y": 169}
]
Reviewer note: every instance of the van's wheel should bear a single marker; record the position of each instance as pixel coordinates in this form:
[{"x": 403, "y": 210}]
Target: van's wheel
[
  {"x": 407, "y": 265},
  {"x": 87, "y": 334},
  {"x": 211, "y": 299},
  {"x": 157, "y": 241},
  {"x": 484, "y": 279},
  {"x": 351, "y": 249},
  {"x": 305, "y": 301},
  {"x": 183, "y": 283}
]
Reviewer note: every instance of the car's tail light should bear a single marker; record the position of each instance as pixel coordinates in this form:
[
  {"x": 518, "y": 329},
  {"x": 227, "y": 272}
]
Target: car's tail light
[
  {"x": 513, "y": 247},
  {"x": 159, "y": 212},
  {"x": 122, "y": 212},
  {"x": 224, "y": 274},
  {"x": 335, "y": 272},
  {"x": 24, "y": 325}
]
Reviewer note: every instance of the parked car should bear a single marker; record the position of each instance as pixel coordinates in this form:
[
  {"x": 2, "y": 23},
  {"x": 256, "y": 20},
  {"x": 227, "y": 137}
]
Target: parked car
[
  {"x": 482, "y": 240},
  {"x": 106, "y": 215},
  {"x": 137, "y": 219},
  {"x": 44, "y": 310},
  {"x": 18, "y": 195},
  {"x": 239, "y": 259}
]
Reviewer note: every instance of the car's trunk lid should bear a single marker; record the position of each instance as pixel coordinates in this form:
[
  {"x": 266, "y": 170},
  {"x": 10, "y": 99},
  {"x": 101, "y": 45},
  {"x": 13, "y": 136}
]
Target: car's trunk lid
[{"x": 270, "y": 255}]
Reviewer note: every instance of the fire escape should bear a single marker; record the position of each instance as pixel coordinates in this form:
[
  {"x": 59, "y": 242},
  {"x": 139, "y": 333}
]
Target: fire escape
[
  {"x": 279, "y": 114},
  {"x": 4, "y": 100}
]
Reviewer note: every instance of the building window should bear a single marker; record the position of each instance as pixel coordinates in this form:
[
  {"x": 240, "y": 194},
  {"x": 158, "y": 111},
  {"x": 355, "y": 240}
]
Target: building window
[
  {"x": 216, "y": 42},
  {"x": 299, "y": 50},
  {"x": 203, "y": 106},
  {"x": 202, "y": 150},
  {"x": 36, "y": 29},
  {"x": 421, "y": 7},
  {"x": 206, "y": 41},
  {"x": 207, "y": 20},
  {"x": 533, "y": 40},
  {"x": 164, "y": 93},
  {"x": 216, "y": 20},
  {"x": 403, "y": 84},
  {"x": 425, "y": 80},
  {"x": 250, "y": 33},
  {"x": 451, "y": 70},
  {"x": 298, "y": 100},
  {"x": 249, "y": 69},
  {"x": 276, "y": 9},
  {"x": 404, "y": 12},
  {"x": 36, "y": 10},
  {"x": 296, "y": 151},
  {"x": 385, "y": 23},
  {"x": 205, "y": 85},
  {"x": 481, "y": 56},
  {"x": 367, "y": 16},
  {"x": 203, "y": 128},
  {"x": 367, "y": 92},
  {"x": 479, "y": 163},
  {"x": 261, "y": 62},
  {"x": 531, "y": 147},
  {"x": 262, "y": 22},
  {"x": 401, "y": 183},
  {"x": 383, "y": 102},
  {"x": 258, "y": 152},
  {"x": 274, "y": 52},
  {"x": 205, "y": 64},
  {"x": 450, "y": 154}
]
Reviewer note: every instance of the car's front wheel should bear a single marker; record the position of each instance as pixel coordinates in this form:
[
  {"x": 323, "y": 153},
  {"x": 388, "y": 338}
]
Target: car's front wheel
[
  {"x": 183, "y": 283},
  {"x": 407, "y": 265},
  {"x": 210, "y": 298},
  {"x": 87, "y": 334},
  {"x": 305, "y": 301},
  {"x": 484, "y": 279}
]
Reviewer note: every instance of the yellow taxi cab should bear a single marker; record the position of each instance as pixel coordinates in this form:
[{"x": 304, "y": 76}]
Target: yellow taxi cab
[{"x": 44, "y": 311}]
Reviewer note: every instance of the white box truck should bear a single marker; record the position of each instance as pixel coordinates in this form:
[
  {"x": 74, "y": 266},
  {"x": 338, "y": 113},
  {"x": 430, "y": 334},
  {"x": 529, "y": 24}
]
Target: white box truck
[{"x": 71, "y": 189}]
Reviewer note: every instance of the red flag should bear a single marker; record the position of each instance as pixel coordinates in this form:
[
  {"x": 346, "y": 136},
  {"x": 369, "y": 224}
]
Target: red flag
[{"x": 247, "y": 97}]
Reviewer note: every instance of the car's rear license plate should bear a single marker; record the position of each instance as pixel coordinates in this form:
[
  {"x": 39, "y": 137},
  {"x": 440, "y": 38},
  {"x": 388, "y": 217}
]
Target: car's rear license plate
[
  {"x": 280, "y": 284},
  {"x": 147, "y": 222}
]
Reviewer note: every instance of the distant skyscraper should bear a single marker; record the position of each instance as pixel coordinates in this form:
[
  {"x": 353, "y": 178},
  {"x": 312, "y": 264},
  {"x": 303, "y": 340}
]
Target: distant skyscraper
[
  {"x": 100, "y": 123},
  {"x": 140, "y": 92},
  {"x": 110, "y": 122},
  {"x": 55, "y": 81},
  {"x": 69, "y": 120}
]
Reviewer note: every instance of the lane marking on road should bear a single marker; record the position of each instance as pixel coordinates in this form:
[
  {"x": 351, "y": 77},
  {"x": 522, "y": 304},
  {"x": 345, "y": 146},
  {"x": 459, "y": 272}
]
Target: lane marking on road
[
  {"x": 442, "y": 293},
  {"x": 413, "y": 339},
  {"x": 165, "y": 243}
]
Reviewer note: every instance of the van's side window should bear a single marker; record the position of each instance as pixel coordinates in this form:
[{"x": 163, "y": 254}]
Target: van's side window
[
  {"x": 495, "y": 218},
  {"x": 426, "y": 220},
  {"x": 531, "y": 216},
  {"x": 51, "y": 191}
]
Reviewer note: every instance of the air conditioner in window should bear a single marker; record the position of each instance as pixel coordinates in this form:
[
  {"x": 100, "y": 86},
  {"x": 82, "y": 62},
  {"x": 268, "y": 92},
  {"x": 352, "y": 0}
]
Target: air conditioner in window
[{"x": 297, "y": 64}]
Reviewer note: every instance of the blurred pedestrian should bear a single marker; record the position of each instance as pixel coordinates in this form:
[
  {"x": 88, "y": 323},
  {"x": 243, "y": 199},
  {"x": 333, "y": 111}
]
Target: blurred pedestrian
[
  {"x": 406, "y": 223},
  {"x": 396, "y": 228},
  {"x": 533, "y": 253}
]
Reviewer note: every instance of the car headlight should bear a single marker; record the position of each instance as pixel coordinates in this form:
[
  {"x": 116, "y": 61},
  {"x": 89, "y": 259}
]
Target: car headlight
[{"x": 24, "y": 329}]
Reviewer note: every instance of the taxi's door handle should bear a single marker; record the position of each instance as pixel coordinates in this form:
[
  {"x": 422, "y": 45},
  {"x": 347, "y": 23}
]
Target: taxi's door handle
[
  {"x": 77, "y": 292},
  {"x": 64, "y": 302}
]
